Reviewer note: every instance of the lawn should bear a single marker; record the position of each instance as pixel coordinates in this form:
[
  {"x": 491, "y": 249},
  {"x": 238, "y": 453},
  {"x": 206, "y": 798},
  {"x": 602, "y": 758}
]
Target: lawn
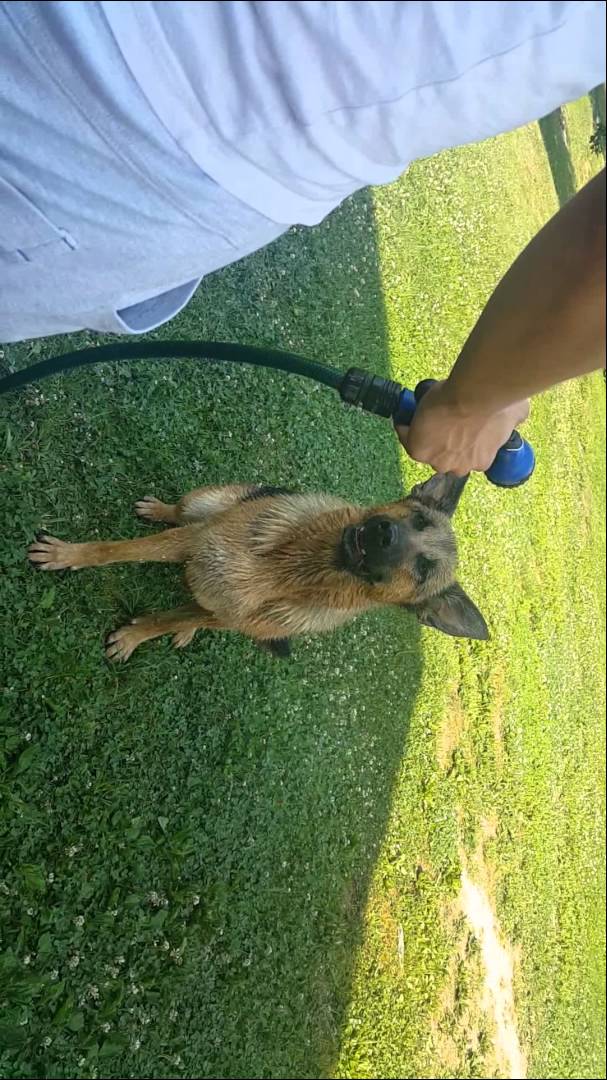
[{"x": 215, "y": 865}]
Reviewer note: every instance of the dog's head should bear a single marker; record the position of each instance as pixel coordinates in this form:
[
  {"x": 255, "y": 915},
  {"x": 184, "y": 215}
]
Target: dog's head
[{"x": 405, "y": 553}]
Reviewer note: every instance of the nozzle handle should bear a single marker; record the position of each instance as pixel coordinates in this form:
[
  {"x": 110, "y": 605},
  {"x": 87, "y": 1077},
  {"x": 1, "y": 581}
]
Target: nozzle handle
[{"x": 515, "y": 460}]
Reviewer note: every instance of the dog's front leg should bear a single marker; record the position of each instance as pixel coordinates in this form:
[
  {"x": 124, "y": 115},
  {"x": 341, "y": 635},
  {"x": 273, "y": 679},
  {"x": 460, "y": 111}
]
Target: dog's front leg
[{"x": 48, "y": 553}]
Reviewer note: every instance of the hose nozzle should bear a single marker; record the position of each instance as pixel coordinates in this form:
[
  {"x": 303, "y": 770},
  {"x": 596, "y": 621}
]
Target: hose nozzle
[{"x": 514, "y": 461}]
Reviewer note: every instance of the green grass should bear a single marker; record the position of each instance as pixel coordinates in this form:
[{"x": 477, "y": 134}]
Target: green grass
[
  {"x": 517, "y": 724},
  {"x": 215, "y": 865}
]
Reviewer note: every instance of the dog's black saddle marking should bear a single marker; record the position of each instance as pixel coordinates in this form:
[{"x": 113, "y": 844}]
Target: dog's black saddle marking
[{"x": 263, "y": 491}]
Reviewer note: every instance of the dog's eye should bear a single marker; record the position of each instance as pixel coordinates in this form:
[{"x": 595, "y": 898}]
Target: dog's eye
[
  {"x": 423, "y": 566},
  {"x": 419, "y": 522}
]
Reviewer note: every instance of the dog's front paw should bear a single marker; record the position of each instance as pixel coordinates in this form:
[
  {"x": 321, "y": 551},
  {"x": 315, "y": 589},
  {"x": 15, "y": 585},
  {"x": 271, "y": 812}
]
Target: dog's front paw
[{"x": 48, "y": 553}]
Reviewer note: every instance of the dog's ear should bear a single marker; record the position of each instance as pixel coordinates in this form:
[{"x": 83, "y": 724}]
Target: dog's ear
[
  {"x": 441, "y": 492},
  {"x": 452, "y": 612}
]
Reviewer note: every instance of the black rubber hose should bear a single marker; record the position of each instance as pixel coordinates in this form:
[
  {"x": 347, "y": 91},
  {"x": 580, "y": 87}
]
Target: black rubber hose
[{"x": 159, "y": 350}]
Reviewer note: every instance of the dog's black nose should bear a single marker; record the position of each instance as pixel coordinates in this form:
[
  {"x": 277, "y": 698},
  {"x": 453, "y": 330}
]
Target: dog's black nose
[{"x": 380, "y": 535}]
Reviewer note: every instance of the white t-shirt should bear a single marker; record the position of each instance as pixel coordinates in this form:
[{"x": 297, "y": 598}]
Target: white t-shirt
[{"x": 292, "y": 106}]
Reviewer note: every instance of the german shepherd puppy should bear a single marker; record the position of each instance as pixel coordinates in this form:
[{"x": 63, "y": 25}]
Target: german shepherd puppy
[{"x": 274, "y": 565}]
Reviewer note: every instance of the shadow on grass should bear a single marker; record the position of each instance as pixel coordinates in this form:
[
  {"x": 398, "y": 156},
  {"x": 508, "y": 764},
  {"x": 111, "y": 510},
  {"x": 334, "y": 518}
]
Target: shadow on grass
[
  {"x": 258, "y": 789},
  {"x": 554, "y": 136}
]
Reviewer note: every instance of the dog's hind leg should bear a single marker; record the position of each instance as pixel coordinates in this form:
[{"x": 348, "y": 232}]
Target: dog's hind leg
[
  {"x": 152, "y": 509},
  {"x": 198, "y": 505},
  {"x": 182, "y": 623}
]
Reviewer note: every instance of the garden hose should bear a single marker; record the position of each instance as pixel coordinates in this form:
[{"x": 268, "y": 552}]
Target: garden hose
[{"x": 514, "y": 462}]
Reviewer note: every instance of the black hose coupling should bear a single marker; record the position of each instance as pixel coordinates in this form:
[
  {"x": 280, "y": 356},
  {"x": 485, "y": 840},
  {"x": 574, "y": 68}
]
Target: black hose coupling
[{"x": 370, "y": 392}]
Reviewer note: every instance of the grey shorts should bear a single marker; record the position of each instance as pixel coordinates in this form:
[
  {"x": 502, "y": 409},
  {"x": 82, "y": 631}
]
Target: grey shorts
[{"x": 105, "y": 223}]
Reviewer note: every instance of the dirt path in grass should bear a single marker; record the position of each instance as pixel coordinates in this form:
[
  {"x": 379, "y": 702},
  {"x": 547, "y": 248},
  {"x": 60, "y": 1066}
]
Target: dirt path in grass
[{"x": 498, "y": 997}]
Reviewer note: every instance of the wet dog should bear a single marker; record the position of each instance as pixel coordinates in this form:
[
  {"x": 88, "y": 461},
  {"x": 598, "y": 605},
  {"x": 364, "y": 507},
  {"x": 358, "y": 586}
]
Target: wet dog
[{"x": 275, "y": 565}]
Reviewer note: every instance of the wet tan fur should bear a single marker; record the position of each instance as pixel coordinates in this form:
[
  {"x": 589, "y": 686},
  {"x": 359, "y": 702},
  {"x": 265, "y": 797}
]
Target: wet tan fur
[{"x": 265, "y": 567}]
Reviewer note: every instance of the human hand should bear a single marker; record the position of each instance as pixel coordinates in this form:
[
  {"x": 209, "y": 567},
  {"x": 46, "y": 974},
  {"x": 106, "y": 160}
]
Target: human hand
[{"x": 453, "y": 438}]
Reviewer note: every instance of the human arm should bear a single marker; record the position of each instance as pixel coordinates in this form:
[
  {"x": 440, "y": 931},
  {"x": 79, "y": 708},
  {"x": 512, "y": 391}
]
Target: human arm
[{"x": 544, "y": 323}]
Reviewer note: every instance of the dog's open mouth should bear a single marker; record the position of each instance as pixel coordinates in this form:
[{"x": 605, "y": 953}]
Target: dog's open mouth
[{"x": 353, "y": 547}]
